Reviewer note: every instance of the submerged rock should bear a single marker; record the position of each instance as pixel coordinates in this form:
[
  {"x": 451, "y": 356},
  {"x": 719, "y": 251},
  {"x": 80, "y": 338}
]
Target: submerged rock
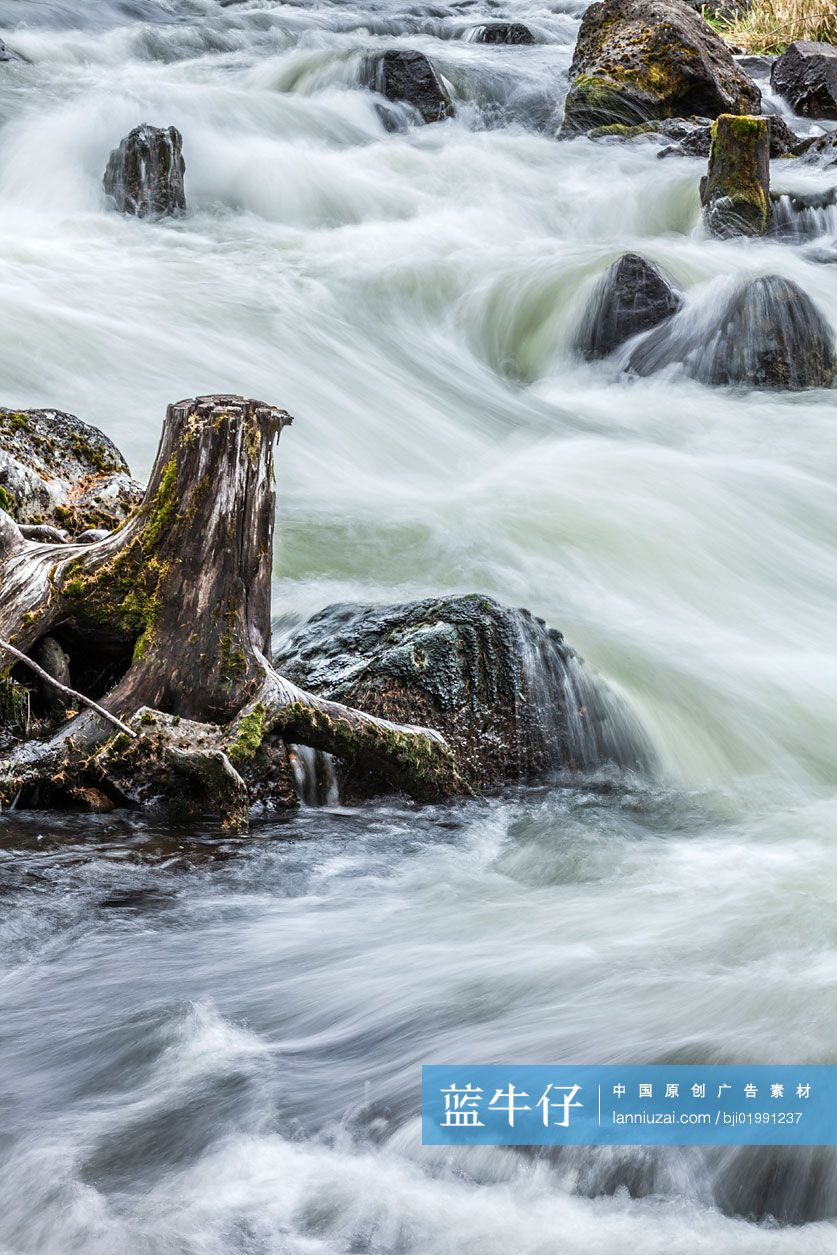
[
  {"x": 806, "y": 75},
  {"x": 512, "y": 699},
  {"x": 144, "y": 175},
  {"x": 61, "y": 472},
  {"x": 10, "y": 55},
  {"x": 636, "y": 60},
  {"x": 408, "y": 77},
  {"x": 501, "y": 33},
  {"x": 767, "y": 334},
  {"x": 632, "y": 296},
  {"x": 735, "y": 193}
]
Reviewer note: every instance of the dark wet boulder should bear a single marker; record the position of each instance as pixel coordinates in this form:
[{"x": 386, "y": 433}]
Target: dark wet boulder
[
  {"x": 144, "y": 175},
  {"x": 806, "y": 75},
  {"x": 8, "y": 54},
  {"x": 59, "y": 472},
  {"x": 501, "y": 33},
  {"x": 636, "y": 60},
  {"x": 820, "y": 151},
  {"x": 767, "y": 333},
  {"x": 632, "y": 296},
  {"x": 735, "y": 192},
  {"x": 510, "y": 696},
  {"x": 409, "y": 77}
]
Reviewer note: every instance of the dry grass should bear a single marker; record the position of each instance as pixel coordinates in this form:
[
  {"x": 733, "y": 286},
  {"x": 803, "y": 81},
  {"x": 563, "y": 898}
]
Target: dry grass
[{"x": 770, "y": 25}]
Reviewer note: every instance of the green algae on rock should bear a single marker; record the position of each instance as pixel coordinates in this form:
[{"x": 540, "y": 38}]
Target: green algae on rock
[
  {"x": 636, "y": 60},
  {"x": 735, "y": 193}
]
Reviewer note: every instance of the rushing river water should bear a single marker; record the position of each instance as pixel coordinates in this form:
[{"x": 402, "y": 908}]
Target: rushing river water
[{"x": 212, "y": 1047}]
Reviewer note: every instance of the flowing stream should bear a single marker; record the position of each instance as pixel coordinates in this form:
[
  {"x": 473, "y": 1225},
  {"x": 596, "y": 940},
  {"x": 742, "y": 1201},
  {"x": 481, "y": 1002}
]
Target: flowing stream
[{"x": 212, "y": 1047}]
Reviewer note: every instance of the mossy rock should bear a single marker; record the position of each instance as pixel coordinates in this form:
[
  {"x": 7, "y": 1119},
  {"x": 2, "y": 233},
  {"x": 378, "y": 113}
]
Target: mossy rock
[
  {"x": 57, "y": 470},
  {"x": 636, "y": 60}
]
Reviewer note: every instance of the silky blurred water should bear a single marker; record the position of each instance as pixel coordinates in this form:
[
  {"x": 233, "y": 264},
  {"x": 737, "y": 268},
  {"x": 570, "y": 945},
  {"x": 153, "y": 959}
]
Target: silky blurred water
[{"x": 214, "y": 1047}]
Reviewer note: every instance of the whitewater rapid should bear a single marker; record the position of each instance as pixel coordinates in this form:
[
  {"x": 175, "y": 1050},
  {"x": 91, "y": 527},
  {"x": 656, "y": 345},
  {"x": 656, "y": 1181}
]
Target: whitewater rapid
[{"x": 220, "y": 1054}]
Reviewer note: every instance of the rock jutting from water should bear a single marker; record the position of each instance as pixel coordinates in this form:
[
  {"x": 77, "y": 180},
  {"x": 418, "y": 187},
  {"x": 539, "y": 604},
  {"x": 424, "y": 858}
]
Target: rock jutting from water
[
  {"x": 767, "y": 333},
  {"x": 60, "y": 473},
  {"x": 144, "y": 175},
  {"x": 501, "y": 33},
  {"x": 636, "y": 60},
  {"x": 407, "y": 77},
  {"x": 806, "y": 75},
  {"x": 735, "y": 192},
  {"x": 511, "y": 698},
  {"x": 632, "y": 296}
]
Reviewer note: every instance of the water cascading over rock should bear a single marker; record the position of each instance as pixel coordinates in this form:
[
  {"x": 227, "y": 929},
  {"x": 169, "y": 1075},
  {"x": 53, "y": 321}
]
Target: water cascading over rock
[
  {"x": 735, "y": 192},
  {"x": 501, "y": 33},
  {"x": 409, "y": 77},
  {"x": 806, "y": 75},
  {"x": 767, "y": 333},
  {"x": 640, "y": 59},
  {"x": 509, "y": 695},
  {"x": 632, "y": 296},
  {"x": 144, "y": 175}
]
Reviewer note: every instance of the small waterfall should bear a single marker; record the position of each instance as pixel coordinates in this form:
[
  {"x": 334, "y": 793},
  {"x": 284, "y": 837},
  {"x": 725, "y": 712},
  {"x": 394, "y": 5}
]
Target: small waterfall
[
  {"x": 804, "y": 217},
  {"x": 314, "y": 775},
  {"x": 572, "y": 720}
]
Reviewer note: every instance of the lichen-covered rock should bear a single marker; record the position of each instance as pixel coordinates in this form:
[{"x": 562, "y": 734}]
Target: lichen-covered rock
[
  {"x": 767, "y": 334},
  {"x": 57, "y": 470},
  {"x": 735, "y": 193},
  {"x": 636, "y": 60},
  {"x": 806, "y": 75},
  {"x": 409, "y": 77},
  {"x": 501, "y": 33},
  {"x": 144, "y": 175},
  {"x": 511, "y": 698},
  {"x": 632, "y": 296},
  {"x": 8, "y": 54}
]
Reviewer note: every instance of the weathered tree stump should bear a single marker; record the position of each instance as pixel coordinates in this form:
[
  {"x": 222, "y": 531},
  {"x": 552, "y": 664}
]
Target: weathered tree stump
[
  {"x": 735, "y": 193},
  {"x": 166, "y": 623}
]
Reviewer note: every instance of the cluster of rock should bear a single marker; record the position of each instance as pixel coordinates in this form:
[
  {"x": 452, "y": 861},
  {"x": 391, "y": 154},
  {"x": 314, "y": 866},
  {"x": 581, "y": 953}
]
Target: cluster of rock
[
  {"x": 762, "y": 333},
  {"x": 639, "y": 60}
]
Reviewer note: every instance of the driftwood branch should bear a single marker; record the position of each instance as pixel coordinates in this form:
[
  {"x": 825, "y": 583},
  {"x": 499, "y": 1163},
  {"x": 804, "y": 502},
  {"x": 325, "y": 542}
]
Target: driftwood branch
[{"x": 79, "y": 698}]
